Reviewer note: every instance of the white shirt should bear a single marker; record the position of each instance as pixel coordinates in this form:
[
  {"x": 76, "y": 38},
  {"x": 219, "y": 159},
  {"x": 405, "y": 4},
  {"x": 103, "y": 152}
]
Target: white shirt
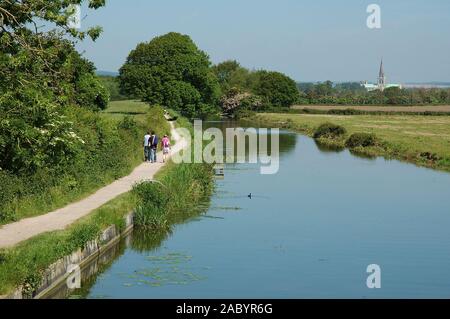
[{"x": 146, "y": 139}]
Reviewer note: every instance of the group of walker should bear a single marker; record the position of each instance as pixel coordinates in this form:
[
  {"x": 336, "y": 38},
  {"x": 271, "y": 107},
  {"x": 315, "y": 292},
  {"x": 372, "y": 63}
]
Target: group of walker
[{"x": 151, "y": 142}]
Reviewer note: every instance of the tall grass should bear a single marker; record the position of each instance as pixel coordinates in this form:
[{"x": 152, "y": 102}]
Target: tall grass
[{"x": 179, "y": 191}]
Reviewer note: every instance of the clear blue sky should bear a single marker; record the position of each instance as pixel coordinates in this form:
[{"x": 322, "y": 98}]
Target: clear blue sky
[{"x": 310, "y": 40}]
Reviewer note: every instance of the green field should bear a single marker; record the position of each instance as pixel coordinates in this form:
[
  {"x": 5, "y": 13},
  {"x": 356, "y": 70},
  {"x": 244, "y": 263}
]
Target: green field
[
  {"x": 424, "y": 140},
  {"x": 139, "y": 112}
]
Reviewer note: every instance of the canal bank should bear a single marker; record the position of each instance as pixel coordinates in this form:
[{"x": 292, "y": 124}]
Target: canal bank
[
  {"x": 421, "y": 140},
  {"x": 65, "y": 273}
]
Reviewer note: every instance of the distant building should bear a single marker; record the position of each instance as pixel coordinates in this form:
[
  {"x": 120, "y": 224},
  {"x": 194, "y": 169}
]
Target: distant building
[{"x": 381, "y": 84}]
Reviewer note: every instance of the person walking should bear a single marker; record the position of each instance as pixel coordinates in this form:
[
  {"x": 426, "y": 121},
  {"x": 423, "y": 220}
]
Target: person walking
[
  {"x": 165, "y": 145},
  {"x": 147, "y": 147},
  {"x": 153, "y": 147}
]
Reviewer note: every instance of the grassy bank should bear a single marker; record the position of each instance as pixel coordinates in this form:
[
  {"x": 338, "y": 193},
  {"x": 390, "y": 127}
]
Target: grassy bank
[
  {"x": 179, "y": 194},
  {"x": 423, "y": 140},
  {"x": 24, "y": 264},
  {"x": 179, "y": 191},
  {"x": 112, "y": 148}
]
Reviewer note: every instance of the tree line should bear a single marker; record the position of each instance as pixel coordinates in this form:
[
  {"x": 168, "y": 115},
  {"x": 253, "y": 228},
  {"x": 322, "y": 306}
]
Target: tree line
[
  {"x": 352, "y": 93},
  {"x": 172, "y": 71}
]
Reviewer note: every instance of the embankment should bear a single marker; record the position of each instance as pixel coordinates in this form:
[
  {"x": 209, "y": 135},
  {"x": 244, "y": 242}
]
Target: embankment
[{"x": 422, "y": 140}]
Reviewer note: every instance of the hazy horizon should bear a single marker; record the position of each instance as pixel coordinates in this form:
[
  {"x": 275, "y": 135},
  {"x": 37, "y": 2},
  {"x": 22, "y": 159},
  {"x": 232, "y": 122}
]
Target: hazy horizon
[{"x": 310, "y": 41}]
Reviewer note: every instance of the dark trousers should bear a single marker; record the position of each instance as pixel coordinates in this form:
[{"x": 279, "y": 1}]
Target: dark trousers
[{"x": 147, "y": 150}]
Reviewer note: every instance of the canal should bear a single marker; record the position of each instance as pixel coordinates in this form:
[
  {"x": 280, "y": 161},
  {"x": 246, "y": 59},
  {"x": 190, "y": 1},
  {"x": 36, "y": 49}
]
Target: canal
[{"x": 309, "y": 231}]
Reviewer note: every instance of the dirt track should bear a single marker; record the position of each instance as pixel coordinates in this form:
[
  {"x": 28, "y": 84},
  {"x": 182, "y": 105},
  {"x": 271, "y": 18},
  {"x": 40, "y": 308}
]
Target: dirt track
[{"x": 434, "y": 108}]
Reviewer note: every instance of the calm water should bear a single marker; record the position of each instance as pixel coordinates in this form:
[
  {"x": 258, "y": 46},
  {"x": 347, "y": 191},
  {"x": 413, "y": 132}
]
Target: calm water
[{"x": 310, "y": 231}]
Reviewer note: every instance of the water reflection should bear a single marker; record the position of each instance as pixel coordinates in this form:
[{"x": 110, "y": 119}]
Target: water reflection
[
  {"x": 146, "y": 241},
  {"x": 326, "y": 148}
]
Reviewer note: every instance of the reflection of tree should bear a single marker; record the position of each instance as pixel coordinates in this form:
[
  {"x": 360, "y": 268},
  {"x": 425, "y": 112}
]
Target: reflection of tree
[
  {"x": 326, "y": 148},
  {"x": 288, "y": 141},
  {"x": 363, "y": 155}
]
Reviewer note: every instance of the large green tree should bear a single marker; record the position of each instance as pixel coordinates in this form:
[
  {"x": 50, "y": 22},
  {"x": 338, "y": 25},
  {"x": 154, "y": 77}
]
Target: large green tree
[
  {"x": 42, "y": 78},
  {"x": 170, "y": 70},
  {"x": 232, "y": 76},
  {"x": 278, "y": 89}
]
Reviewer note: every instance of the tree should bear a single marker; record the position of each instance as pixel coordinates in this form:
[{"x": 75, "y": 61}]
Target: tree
[
  {"x": 278, "y": 89},
  {"x": 236, "y": 101},
  {"x": 43, "y": 78},
  {"x": 396, "y": 96},
  {"x": 224, "y": 71},
  {"x": 16, "y": 18},
  {"x": 170, "y": 70}
]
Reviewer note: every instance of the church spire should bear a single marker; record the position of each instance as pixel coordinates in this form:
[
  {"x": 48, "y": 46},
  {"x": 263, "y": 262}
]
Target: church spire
[{"x": 381, "y": 77}]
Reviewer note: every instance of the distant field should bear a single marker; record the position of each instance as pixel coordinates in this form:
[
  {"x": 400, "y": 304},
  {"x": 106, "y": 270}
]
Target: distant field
[
  {"x": 127, "y": 107},
  {"x": 119, "y": 109},
  {"x": 415, "y": 109},
  {"x": 404, "y": 136}
]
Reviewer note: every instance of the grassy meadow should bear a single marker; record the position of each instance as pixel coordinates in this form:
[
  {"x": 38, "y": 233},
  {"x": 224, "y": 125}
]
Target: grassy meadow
[{"x": 424, "y": 140}]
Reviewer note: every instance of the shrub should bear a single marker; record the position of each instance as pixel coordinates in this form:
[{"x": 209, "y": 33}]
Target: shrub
[
  {"x": 430, "y": 156},
  {"x": 329, "y": 130},
  {"x": 361, "y": 140},
  {"x": 10, "y": 186}
]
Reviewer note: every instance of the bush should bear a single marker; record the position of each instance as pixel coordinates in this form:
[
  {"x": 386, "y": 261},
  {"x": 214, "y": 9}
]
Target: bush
[
  {"x": 10, "y": 186},
  {"x": 329, "y": 130},
  {"x": 361, "y": 140}
]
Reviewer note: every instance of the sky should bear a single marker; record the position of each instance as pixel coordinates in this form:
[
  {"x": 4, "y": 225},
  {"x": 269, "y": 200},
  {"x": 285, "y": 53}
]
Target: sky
[{"x": 309, "y": 40}]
